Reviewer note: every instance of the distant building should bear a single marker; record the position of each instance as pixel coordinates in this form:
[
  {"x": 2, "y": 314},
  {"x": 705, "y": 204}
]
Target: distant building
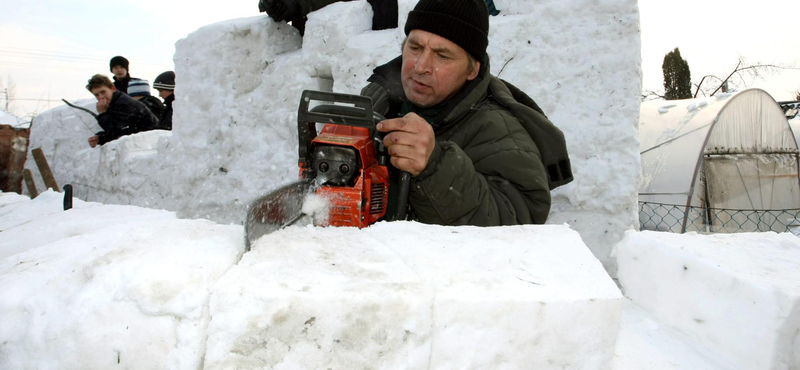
[{"x": 790, "y": 108}]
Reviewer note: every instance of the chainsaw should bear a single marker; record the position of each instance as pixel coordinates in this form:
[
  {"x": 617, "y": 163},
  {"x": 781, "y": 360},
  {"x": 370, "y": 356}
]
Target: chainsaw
[{"x": 344, "y": 173}]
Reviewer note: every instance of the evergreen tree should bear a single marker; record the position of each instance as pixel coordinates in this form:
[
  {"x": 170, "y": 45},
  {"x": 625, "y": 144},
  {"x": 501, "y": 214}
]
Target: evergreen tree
[{"x": 677, "y": 78}]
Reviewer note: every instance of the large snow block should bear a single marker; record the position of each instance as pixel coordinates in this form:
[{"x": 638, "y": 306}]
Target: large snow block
[
  {"x": 114, "y": 291},
  {"x": 411, "y": 296},
  {"x": 737, "y": 295}
]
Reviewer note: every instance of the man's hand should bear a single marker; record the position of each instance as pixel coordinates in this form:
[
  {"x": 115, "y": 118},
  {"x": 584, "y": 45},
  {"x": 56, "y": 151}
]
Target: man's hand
[
  {"x": 410, "y": 142},
  {"x": 279, "y": 10},
  {"x": 93, "y": 141},
  {"x": 102, "y": 105}
]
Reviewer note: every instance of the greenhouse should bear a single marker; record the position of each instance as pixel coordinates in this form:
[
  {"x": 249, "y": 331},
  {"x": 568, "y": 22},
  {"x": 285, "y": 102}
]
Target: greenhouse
[{"x": 727, "y": 163}]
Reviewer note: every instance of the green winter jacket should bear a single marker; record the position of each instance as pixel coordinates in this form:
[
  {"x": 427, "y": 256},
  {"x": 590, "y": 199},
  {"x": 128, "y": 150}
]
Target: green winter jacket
[{"x": 485, "y": 170}]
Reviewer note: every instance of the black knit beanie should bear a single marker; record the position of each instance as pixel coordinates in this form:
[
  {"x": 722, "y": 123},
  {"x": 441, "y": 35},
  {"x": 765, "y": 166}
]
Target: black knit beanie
[
  {"x": 118, "y": 61},
  {"x": 464, "y": 22},
  {"x": 165, "y": 81}
]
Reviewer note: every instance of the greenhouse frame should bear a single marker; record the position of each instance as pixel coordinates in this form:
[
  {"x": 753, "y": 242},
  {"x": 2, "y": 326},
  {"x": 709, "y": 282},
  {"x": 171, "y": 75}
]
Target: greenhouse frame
[{"x": 727, "y": 163}]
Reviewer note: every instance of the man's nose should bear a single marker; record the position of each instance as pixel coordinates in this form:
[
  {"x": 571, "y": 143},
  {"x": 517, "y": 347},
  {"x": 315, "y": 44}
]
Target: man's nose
[{"x": 423, "y": 64}]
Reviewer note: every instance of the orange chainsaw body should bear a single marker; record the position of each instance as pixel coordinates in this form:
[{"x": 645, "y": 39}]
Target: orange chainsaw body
[{"x": 364, "y": 201}]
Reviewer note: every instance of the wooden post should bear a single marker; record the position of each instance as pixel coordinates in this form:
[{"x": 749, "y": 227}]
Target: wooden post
[
  {"x": 44, "y": 169},
  {"x": 26, "y": 174}
]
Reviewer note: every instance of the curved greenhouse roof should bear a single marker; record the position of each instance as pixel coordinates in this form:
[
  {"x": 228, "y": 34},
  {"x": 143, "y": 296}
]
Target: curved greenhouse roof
[{"x": 725, "y": 152}]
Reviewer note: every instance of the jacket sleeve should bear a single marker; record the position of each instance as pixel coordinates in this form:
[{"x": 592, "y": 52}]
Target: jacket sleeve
[
  {"x": 507, "y": 187},
  {"x": 105, "y": 120}
]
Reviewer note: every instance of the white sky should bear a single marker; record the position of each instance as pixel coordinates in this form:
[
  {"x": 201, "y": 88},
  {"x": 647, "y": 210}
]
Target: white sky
[{"x": 49, "y": 48}]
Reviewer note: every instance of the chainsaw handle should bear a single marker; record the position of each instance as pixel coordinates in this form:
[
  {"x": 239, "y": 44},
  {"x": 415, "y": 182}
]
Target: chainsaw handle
[{"x": 361, "y": 115}]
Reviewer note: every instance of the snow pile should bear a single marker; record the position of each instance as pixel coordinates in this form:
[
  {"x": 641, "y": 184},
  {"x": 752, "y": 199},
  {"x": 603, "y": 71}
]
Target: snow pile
[
  {"x": 411, "y": 296},
  {"x": 102, "y": 285},
  {"x": 733, "y": 296},
  {"x": 239, "y": 83}
]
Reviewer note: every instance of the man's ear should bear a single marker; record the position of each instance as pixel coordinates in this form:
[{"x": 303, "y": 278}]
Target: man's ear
[
  {"x": 113, "y": 88},
  {"x": 475, "y": 72}
]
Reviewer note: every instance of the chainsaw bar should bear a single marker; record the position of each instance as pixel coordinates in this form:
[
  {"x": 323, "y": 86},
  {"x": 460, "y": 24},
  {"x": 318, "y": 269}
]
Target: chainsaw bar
[{"x": 276, "y": 210}]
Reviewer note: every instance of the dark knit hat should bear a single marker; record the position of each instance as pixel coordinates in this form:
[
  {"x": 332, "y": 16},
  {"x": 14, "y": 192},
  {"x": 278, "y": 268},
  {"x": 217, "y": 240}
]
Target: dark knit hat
[
  {"x": 118, "y": 61},
  {"x": 165, "y": 81},
  {"x": 464, "y": 22},
  {"x": 138, "y": 87}
]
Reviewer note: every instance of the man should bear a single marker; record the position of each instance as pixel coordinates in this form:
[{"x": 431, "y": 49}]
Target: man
[
  {"x": 473, "y": 144},
  {"x": 119, "y": 114},
  {"x": 119, "y": 67},
  {"x": 165, "y": 84},
  {"x": 140, "y": 90}
]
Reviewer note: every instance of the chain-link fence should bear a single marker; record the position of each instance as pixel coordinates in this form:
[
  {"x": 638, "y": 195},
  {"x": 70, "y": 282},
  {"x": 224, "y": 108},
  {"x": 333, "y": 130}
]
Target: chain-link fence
[{"x": 679, "y": 219}]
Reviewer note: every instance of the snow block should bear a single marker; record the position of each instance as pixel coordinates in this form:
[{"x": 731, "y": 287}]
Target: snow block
[
  {"x": 411, "y": 296},
  {"x": 110, "y": 286},
  {"x": 737, "y": 295}
]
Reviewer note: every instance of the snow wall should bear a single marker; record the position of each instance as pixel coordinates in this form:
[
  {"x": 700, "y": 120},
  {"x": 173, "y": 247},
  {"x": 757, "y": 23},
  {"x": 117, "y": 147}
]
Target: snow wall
[
  {"x": 110, "y": 286},
  {"x": 239, "y": 83}
]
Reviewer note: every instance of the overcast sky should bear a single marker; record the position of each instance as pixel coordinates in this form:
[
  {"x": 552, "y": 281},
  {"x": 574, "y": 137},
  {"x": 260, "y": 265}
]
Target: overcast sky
[{"x": 49, "y": 48}]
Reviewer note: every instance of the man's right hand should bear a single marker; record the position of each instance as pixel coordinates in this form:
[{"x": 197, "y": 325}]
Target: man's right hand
[
  {"x": 279, "y": 10},
  {"x": 93, "y": 141}
]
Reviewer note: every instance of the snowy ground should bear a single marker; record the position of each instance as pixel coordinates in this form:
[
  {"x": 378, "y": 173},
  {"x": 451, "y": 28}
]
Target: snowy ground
[{"x": 105, "y": 285}]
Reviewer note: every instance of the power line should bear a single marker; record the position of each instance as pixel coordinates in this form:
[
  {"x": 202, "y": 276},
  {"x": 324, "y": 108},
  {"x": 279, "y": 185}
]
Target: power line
[{"x": 61, "y": 55}]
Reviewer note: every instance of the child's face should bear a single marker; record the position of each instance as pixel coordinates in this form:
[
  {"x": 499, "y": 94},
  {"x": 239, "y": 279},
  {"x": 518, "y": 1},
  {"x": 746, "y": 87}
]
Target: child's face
[{"x": 164, "y": 93}]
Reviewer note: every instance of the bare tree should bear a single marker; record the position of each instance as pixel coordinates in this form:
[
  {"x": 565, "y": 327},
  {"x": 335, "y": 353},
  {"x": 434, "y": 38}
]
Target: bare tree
[
  {"x": 8, "y": 93},
  {"x": 742, "y": 75},
  {"x": 648, "y": 95}
]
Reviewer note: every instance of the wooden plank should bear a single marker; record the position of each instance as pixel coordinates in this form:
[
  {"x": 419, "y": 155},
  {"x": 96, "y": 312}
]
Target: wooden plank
[
  {"x": 44, "y": 169},
  {"x": 28, "y": 176}
]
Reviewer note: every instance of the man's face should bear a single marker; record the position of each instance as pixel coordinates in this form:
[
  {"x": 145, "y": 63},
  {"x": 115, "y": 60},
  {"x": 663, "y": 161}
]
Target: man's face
[
  {"x": 119, "y": 71},
  {"x": 434, "y": 68},
  {"x": 103, "y": 93}
]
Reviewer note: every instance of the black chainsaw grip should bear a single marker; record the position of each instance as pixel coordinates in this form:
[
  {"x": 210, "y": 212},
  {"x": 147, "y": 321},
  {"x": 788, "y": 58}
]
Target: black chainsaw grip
[{"x": 402, "y": 197}]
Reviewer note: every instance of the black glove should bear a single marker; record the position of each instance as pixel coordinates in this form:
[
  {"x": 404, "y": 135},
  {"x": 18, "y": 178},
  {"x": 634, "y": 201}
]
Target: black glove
[
  {"x": 384, "y": 14},
  {"x": 279, "y": 10}
]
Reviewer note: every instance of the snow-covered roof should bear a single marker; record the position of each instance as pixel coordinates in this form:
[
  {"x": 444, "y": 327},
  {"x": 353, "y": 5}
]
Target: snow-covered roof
[
  {"x": 791, "y": 109},
  {"x": 8, "y": 119},
  {"x": 676, "y": 135}
]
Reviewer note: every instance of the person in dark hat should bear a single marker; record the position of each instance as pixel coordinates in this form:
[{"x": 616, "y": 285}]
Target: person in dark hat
[
  {"x": 120, "y": 114},
  {"x": 119, "y": 67},
  {"x": 139, "y": 89},
  {"x": 479, "y": 150},
  {"x": 165, "y": 84},
  {"x": 384, "y": 12}
]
